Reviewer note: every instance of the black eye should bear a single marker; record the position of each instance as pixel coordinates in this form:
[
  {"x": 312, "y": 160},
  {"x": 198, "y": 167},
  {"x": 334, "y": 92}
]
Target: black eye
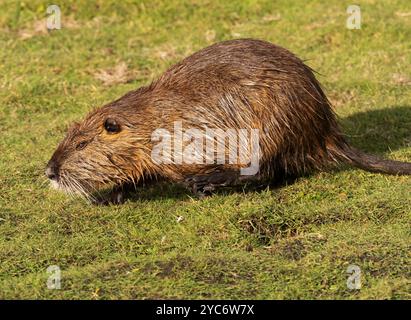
[
  {"x": 111, "y": 126},
  {"x": 81, "y": 145}
]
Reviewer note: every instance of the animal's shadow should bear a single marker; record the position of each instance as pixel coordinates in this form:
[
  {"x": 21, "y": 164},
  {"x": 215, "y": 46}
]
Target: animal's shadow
[
  {"x": 374, "y": 131},
  {"x": 378, "y": 131}
]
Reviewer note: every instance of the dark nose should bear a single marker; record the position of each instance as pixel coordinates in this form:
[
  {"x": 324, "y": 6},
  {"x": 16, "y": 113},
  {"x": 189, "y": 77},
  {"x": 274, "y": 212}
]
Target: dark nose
[{"x": 52, "y": 170}]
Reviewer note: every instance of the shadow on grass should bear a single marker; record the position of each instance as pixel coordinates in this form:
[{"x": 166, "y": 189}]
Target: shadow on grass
[
  {"x": 375, "y": 131},
  {"x": 378, "y": 131}
]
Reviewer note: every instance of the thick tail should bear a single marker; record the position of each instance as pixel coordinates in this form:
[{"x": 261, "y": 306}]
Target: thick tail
[{"x": 373, "y": 163}]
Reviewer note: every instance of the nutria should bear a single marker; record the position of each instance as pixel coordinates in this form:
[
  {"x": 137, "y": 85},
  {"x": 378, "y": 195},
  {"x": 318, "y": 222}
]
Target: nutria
[{"x": 232, "y": 85}]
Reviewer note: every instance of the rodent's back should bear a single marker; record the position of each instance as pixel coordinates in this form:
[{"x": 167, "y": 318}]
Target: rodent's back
[{"x": 230, "y": 62}]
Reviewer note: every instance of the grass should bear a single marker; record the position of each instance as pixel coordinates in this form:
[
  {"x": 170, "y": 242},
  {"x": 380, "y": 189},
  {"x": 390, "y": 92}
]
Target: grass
[{"x": 293, "y": 242}]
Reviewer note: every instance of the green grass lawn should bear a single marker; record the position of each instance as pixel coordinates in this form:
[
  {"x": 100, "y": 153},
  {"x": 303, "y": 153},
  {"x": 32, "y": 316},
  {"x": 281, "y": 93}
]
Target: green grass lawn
[{"x": 294, "y": 242}]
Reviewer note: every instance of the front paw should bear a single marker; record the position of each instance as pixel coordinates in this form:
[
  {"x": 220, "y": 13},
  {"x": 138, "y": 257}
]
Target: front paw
[
  {"x": 115, "y": 197},
  {"x": 199, "y": 185}
]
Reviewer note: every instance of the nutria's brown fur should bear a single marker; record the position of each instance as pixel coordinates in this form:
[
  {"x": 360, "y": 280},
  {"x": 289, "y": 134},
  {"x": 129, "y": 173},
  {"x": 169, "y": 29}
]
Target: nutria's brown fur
[{"x": 247, "y": 83}]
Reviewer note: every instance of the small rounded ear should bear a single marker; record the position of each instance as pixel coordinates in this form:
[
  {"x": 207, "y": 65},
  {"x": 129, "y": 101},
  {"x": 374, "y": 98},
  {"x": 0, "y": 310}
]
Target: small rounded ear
[{"x": 112, "y": 126}]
